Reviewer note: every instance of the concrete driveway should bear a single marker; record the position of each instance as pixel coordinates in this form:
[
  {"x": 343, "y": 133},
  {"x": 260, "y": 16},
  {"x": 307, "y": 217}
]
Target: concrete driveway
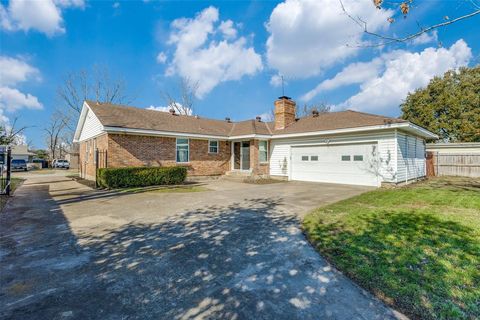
[{"x": 232, "y": 252}]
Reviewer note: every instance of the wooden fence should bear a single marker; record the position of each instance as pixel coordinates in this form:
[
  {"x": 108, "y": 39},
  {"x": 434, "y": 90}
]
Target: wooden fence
[{"x": 450, "y": 164}]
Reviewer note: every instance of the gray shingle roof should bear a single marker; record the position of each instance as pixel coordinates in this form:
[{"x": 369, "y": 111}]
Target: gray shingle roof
[{"x": 113, "y": 115}]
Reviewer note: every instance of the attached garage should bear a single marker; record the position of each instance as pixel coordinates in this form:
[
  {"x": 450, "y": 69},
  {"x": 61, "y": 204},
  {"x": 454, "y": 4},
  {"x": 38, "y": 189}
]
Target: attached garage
[{"x": 343, "y": 163}]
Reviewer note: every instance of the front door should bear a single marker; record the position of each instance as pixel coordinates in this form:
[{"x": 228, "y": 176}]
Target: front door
[{"x": 241, "y": 155}]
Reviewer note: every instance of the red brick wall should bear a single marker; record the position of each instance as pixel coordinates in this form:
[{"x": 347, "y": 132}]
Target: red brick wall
[
  {"x": 87, "y": 165},
  {"x": 257, "y": 167},
  {"x": 132, "y": 150}
]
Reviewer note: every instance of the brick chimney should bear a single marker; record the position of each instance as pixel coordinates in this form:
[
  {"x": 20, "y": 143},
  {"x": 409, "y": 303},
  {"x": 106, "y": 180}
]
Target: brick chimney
[{"x": 284, "y": 112}]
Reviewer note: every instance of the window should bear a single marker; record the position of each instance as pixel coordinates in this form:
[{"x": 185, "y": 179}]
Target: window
[
  {"x": 358, "y": 158},
  {"x": 263, "y": 151},
  {"x": 313, "y": 158},
  {"x": 304, "y": 158},
  {"x": 213, "y": 146},
  {"x": 345, "y": 158},
  {"x": 183, "y": 151}
]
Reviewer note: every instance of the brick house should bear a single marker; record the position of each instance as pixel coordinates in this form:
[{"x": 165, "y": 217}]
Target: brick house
[{"x": 339, "y": 147}]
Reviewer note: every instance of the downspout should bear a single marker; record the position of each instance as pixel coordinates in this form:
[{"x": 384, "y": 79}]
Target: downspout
[{"x": 396, "y": 157}]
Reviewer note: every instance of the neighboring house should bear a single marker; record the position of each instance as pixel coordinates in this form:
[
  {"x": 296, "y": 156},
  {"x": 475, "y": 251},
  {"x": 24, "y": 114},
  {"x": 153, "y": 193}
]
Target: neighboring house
[
  {"x": 19, "y": 152},
  {"x": 73, "y": 158},
  {"x": 338, "y": 147},
  {"x": 454, "y": 148}
]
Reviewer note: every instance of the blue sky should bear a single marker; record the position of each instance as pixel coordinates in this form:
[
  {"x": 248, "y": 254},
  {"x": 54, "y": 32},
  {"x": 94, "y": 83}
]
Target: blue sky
[{"x": 235, "y": 50}]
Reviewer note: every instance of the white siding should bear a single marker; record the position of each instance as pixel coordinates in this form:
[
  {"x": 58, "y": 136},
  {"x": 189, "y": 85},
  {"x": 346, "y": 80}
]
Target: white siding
[
  {"x": 280, "y": 151},
  {"x": 411, "y": 157},
  {"x": 91, "y": 127}
]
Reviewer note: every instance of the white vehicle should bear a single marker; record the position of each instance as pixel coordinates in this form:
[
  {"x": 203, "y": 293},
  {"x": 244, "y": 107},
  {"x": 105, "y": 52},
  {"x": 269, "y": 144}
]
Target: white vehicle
[{"x": 61, "y": 163}]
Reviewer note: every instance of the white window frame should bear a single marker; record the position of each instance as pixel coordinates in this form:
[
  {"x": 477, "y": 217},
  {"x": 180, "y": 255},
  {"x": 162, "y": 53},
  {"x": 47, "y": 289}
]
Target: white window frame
[
  {"x": 182, "y": 144},
  {"x": 266, "y": 150},
  {"x": 218, "y": 146}
]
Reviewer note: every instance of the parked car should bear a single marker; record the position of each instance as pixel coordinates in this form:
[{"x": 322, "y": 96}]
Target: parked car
[
  {"x": 61, "y": 163},
  {"x": 19, "y": 164}
]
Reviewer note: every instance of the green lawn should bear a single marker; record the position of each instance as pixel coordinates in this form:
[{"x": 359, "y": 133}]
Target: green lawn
[
  {"x": 15, "y": 182},
  {"x": 416, "y": 247}
]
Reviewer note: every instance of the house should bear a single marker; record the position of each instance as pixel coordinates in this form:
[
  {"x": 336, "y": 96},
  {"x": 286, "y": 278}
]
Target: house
[
  {"x": 346, "y": 147},
  {"x": 19, "y": 152}
]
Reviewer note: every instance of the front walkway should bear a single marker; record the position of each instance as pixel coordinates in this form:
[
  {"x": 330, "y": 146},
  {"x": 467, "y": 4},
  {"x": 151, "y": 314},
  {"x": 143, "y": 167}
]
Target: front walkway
[{"x": 235, "y": 252}]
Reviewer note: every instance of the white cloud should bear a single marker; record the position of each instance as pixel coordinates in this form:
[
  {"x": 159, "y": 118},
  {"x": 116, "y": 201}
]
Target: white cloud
[
  {"x": 276, "y": 80},
  {"x": 161, "y": 57},
  {"x": 306, "y": 37},
  {"x": 210, "y": 53},
  {"x": 425, "y": 38},
  {"x": 393, "y": 75},
  {"x": 42, "y": 15},
  {"x": 16, "y": 71},
  {"x": 167, "y": 109},
  {"x": 70, "y": 3},
  {"x": 12, "y": 100},
  {"x": 266, "y": 116},
  {"x": 228, "y": 30}
]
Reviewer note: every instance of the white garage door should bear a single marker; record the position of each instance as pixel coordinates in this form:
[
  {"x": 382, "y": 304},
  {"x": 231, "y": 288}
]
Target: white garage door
[{"x": 347, "y": 164}]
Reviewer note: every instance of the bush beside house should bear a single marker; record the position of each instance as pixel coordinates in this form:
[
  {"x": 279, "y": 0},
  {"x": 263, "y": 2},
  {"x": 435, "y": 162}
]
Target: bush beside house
[{"x": 140, "y": 176}]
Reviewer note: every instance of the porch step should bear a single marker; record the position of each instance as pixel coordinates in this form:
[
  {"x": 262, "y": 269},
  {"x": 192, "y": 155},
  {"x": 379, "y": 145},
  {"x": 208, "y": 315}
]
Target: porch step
[
  {"x": 236, "y": 175},
  {"x": 242, "y": 174}
]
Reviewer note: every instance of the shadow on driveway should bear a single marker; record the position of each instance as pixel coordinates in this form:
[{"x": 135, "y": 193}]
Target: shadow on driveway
[{"x": 248, "y": 260}]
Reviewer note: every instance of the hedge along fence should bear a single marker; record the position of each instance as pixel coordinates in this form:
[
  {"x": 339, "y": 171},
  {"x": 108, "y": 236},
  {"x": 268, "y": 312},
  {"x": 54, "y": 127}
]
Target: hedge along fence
[{"x": 140, "y": 176}]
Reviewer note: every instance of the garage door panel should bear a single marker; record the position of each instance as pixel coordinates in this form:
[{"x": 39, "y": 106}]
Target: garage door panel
[{"x": 330, "y": 168}]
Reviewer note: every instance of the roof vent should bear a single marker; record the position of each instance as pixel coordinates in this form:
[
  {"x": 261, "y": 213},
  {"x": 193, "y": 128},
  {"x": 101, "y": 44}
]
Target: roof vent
[
  {"x": 315, "y": 113},
  {"x": 172, "y": 111},
  {"x": 227, "y": 119},
  {"x": 258, "y": 119}
]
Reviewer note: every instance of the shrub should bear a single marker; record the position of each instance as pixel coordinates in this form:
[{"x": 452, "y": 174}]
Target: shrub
[{"x": 140, "y": 176}]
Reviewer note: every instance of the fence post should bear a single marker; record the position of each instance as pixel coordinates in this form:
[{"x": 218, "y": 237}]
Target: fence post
[
  {"x": 96, "y": 168},
  {"x": 9, "y": 160}
]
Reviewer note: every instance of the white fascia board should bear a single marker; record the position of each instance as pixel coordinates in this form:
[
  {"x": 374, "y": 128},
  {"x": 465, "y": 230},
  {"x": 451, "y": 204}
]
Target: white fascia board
[
  {"x": 406, "y": 125},
  {"x": 422, "y": 131},
  {"x": 162, "y": 133},
  {"x": 181, "y": 134},
  {"x": 250, "y": 136},
  {"x": 81, "y": 121},
  {"x": 337, "y": 131}
]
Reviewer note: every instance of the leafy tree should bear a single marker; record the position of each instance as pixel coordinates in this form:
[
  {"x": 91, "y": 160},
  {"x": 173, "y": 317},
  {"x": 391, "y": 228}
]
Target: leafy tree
[{"x": 449, "y": 106}]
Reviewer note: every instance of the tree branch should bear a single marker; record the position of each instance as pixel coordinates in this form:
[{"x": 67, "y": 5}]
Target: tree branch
[{"x": 389, "y": 40}]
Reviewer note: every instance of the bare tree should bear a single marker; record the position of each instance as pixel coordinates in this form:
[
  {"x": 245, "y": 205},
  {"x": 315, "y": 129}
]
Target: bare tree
[
  {"x": 307, "y": 110},
  {"x": 186, "y": 90},
  {"x": 96, "y": 85},
  {"x": 53, "y": 133},
  {"x": 403, "y": 8},
  {"x": 11, "y": 134}
]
